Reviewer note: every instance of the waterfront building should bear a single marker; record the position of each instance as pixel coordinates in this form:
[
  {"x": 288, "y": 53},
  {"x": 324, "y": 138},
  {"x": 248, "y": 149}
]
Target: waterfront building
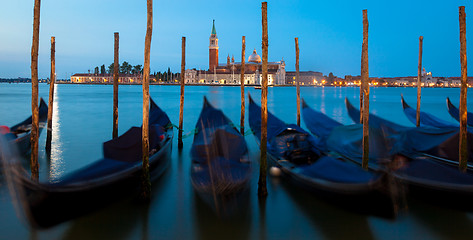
[
  {"x": 305, "y": 78},
  {"x": 456, "y": 81},
  {"x": 427, "y": 80},
  {"x": 229, "y": 72},
  {"x": 107, "y": 78}
]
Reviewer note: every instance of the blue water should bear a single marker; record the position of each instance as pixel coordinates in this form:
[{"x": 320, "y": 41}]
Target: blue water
[{"x": 83, "y": 120}]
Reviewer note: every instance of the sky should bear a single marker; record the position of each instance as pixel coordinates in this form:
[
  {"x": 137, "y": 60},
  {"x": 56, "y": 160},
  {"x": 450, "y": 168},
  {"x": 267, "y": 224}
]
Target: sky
[{"x": 330, "y": 34}]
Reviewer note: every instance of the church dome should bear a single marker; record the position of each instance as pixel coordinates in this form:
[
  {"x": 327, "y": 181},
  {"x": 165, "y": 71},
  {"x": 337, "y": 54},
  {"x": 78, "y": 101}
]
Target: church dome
[{"x": 254, "y": 57}]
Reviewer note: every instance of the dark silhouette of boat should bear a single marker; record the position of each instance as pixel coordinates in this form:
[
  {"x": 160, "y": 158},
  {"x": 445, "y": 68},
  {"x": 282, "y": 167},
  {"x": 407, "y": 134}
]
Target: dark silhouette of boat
[
  {"x": 304, "y": 162},
  {"x": 117, "y": 175}
]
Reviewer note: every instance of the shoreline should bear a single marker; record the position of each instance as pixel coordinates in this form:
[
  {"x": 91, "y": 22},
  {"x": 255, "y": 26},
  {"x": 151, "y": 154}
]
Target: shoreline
[{"x": 221, "y": 85}]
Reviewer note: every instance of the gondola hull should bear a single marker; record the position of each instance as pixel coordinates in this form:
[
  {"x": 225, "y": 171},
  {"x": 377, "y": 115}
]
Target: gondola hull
[
  {"x": 23, "y": 143},
  {"x": 220, "y": 170},
  {"x": 440, "y": 143},
  {"x": 455, "y": 113},
  {"x": 455, "y": 192},
  {"x": 47, "y": 205},
  {"x": 23, "y": 140},
  {"x": 225, "y": 205},
  {"x": 373, "y": 198},
  {"x": 453, "y": 198},
  {"x": 425, "y": 178},
  {"x": 426, "y": 119},
  {"x": 117, "y": 175},
  {"x": 338, "y": 182}
]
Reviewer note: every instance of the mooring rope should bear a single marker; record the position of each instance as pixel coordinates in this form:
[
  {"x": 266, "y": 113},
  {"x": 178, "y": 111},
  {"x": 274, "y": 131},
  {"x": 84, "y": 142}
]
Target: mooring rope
[{"x": 196, "y": 130}]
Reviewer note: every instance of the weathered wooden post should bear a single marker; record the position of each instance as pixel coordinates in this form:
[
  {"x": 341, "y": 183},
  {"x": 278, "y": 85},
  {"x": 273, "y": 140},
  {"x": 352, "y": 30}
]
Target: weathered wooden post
[
  {"x": 242, "y": 84},
  {"x": 181, "y": 110},
  {"x": 463, "y": 111},
  {"x": 146, "y": 181},
  {"x": 298, "y": 92},
  {"x": 419, "y": 79},
  {"x": 362, "y": 86},
  {"x": 52, "y": 77},
  {"x": 262, "y": 191},
  {"x": 34, "y": 93},
  {"x": 366, "y": 91},
  {"x": 116, "y": 72}
]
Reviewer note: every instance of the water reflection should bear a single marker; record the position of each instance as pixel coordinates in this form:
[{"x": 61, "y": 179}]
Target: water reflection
[
  {"x": 328, "y": 218},
  {"x": 33, "y": 234},
  {"x": 445, "y": 223},
  {"x": 340, "y": 96},
  {"x": 212, "y": 226},
  {"x": 262, "y": 218},
  {"x": 114, "y": 222},
  {"x": 126, "y": 219},
  {"x": 145, "y": 222},
  {"x": 338, "y": 113},
  {"x": 56, "y": 168},
  {"x": 181, "y": 188},
  {"x": 322, "y": 101}
]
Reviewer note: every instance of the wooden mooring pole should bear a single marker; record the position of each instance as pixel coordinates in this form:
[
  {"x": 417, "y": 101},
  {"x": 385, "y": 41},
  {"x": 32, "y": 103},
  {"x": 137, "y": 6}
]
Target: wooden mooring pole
[
  {"x": 419, "y": 80},
  {"x": 366, "y": 91},
  {"x": 181, "y": 110},
  {"x": 116, "y": 72},
  {"x": 262, "y": 190},
  {"x": 242, "y": 84},
  {"x": 34, "y": 93},
  {"x": 463, "y": 111},
  {"x": 298, "y": 91},
  {"x": 52, "y": 77},
  {"x": 362, "y": 86},
  {"x": 146, "y": 181}
]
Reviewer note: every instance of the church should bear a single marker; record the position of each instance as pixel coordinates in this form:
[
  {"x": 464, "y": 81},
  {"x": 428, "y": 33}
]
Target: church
[{"x": 229, "y": 72}]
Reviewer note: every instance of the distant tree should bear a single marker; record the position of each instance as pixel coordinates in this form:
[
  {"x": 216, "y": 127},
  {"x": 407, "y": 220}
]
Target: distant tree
[
  {"x": 102, "y": 69},
  {"x": 169, "y": 74},
  {"x": 96, "y": 70},
  {"x": 137, "y": 69},
  {"x": 125, "y": 68},
  {"x": 165, "y": 76},
  {"x": 110, "y": 69}
]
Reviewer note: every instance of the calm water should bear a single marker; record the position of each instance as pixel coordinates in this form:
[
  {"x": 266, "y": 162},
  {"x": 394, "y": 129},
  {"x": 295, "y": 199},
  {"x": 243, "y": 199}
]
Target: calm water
[{"x": 83, "y": 120}]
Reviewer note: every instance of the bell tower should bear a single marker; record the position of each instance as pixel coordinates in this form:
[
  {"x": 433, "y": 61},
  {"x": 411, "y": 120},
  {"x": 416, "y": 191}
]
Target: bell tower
[{"x": 213, "y": 49}]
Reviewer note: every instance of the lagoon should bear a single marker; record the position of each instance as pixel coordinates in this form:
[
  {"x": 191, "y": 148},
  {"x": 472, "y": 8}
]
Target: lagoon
[{"x": 83, "y": 121}]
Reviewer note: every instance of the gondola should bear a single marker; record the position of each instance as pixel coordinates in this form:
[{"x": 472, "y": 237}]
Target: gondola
[
  {"x": 426, "y": 119},
  {"x": 20, "y": 134},
  {"x": 441, "y": 144},
  {"x": 431, "y": 180},
  {"x": 302, "y": 162},
  {"x": 455, "y": 113},
  {"x": 345, "y": 140},
  {"x": 115, "y": 176},
  {"x": 374, "y": 120},
  {"x": 220, "y": 169}
]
